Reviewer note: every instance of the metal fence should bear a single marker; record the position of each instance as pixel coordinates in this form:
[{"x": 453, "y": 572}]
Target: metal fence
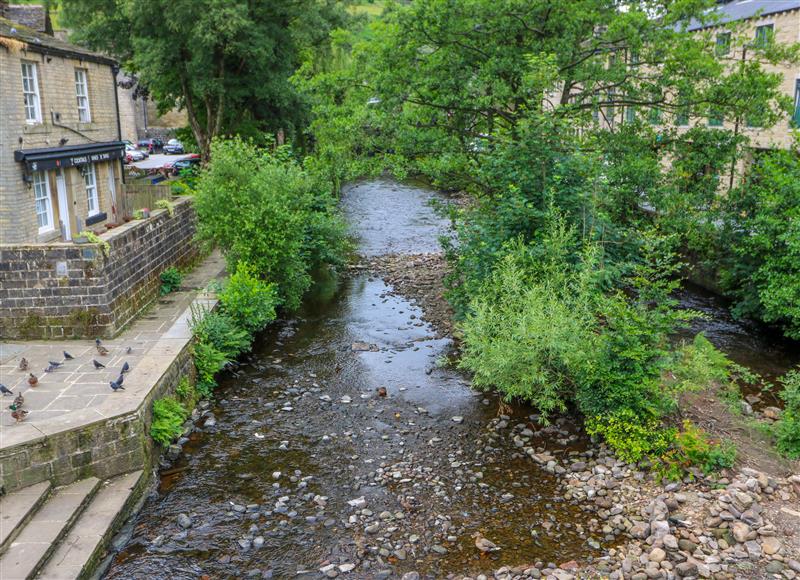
[{"x": 139, "y": 195}]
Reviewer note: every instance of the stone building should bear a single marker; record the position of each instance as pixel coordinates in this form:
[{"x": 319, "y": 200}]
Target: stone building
[
  {"x": 755, "y": 21},
  {"x": 60, "y": 141}
]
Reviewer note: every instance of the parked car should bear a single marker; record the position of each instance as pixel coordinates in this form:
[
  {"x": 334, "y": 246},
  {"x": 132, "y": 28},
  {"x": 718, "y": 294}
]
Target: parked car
[
  {"x": 133, "y": 154},
  {"x": 151, "y": 145},
  {"x": 173, "y": 147},
  {"x": 191, "y": 162}
]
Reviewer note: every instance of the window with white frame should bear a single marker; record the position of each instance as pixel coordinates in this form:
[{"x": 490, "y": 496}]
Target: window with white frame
[
  {"x": 30, "y": 93},
  {"x": 82, "y": 94},
  {"x": 44, "y": 205},
  {"x": 92, "y": 199}
]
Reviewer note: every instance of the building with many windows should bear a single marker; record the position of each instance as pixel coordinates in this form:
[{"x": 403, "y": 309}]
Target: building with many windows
[
  {"x": 754, "y": 23},
  {"x": 60, "y": 144}
]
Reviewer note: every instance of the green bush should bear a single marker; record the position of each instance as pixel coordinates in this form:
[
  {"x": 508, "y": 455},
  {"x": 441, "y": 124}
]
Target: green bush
[
  {"x": 631, "y": 437},
  {"x": 171, "y": 279},
  {"x": 221, "y": 331},
  {"x": 264, "y": 210},
  {"x": 787, "y": 430},
  {"x": 168, "y": 418},
  {"x": 692, "y": 447},
  {"x": 248, "y": 300},
  {"x": 208, "y": 361}
]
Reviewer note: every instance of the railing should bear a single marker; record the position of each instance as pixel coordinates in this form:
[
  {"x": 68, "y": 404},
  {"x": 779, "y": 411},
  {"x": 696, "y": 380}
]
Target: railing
[{"x": 139, "y": 195}]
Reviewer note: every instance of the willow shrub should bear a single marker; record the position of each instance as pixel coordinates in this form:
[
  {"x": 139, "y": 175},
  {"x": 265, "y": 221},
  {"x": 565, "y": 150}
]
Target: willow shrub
[
  {"x": 546, "y": 331},
  {"x": 262, "y": 208}
]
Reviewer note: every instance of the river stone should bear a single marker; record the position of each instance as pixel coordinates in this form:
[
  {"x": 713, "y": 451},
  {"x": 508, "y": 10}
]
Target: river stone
[
  {"x": 794, "y": 565},
  {"x": 640, "y": 530},
  {"x": 670, "y": 542},
  {"x": 184, "y": 521},
  {"x": 740, "y": 531},
  {"x": 657, "y": 555},
  {"x": 659, "y": 529},
  {"x": 687, "y": 545},
  {"x": 686, "y": 569},
  {"x": 775, "y": 567},
  {"x": 771, "y": 545},
  {"x": 753, "y": 549},
  {"x": 411, "y": 576}
]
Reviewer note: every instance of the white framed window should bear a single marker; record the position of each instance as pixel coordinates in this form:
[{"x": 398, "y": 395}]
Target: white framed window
[
  {"x": 44, "y": 205},
  {"x": 30, "y": 93},
  {"x": 92, "y": 199},
  {"x": 82, "y": 94}
]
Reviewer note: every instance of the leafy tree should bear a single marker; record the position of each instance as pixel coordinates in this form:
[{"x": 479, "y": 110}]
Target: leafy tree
[
  {"x": 226, "y": 62},
  {"x": 759, "y": 246},
  {"x": 265, "y": 210}
]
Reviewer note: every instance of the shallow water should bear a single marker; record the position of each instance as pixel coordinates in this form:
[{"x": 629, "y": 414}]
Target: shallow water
[{"x": 306, "y": 405}]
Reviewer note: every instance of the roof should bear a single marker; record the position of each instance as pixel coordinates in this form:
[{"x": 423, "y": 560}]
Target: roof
[
  {"x": 36, "y": 41},
  {"x": 30, "y": 15},
  {"x": 744, "y": 9}
]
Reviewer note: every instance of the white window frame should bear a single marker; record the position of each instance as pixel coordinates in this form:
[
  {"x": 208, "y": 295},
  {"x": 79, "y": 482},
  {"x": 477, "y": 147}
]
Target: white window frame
[
  {"x": 82, "y": 95},
  {"x": 41, "y": 195},
  {"x": 92, "y": 196},
  {"x": 31, "y": 97}
]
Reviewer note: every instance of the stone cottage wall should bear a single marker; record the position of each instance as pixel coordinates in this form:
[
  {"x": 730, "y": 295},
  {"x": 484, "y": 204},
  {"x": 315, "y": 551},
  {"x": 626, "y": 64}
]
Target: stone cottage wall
[{"x": 69, "y": 290}]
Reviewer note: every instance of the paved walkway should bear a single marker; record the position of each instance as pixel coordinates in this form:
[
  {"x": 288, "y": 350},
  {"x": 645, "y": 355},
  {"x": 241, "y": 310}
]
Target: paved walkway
[{"x": 77, "y": 385}]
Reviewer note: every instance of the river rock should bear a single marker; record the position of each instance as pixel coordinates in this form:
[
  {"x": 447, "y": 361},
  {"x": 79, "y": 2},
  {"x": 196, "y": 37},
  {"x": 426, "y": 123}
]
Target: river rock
[
  {"x": 685, "y": 569},
  {"x": 184, "y": 521},
  {"x": 741, "y": 531},
  {"x": 640, "y": 530},
  {"x": 657, "y": 555},
  {"x": 771, "y": 545}
]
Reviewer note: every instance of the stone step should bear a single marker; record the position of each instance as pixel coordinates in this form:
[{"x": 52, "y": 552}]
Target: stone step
[
  {"x": 39, "y": 537},
  {"x": 16, "y": 509},
  {"x": 79, "y": 551}
]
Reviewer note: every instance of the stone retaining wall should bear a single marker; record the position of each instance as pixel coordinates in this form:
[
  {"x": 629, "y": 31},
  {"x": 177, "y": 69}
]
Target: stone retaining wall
[
  {"x": 74, "y": 447},
  {"x": 67, "y": 290}
]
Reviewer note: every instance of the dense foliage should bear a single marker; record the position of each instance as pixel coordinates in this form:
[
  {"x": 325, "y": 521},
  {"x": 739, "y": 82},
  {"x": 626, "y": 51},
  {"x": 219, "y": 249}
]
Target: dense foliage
[
  {"x": 264, "y": 209},
  {"x": 249, "y": 300},
  {"x": 171, "y": 279},
  {"x": 168, "y": 418},
  {"x": 787, "y": 430},
  {"x": 227, "y": 63}
]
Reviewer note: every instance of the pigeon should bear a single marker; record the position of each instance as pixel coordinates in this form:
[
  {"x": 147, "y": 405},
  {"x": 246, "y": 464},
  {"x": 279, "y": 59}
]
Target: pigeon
[
  {"x": 23, "y": 364},
  {"x": 120, "y": 380},
  {"x": 128, "y": 350},
  {"x": 54, "y": 364},
  {"x": 98, "y": 365},
  {"x": 125, "y": 368},
  {"x": 49, "y": 369},
  {"x": 19, "y": 400},
  {"x": 67, "y": 356},
  {"x": 33, "y": 380},
  {"x": 6, "y": 391},
  {"x": 484, "y": 545},
  {"x": 19, "y": 415},
  {"x": 115, "y": 386},
  {"x": 101, "y": 350},
  {"x": 97, "y": 341}
]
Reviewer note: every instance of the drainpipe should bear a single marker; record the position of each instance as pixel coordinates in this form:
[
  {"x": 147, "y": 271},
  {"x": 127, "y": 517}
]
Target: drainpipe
[{"x": 114, "y": 73}]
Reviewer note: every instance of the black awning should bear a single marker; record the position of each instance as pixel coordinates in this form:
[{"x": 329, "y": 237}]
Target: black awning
[{"x": 70, "y": 155}]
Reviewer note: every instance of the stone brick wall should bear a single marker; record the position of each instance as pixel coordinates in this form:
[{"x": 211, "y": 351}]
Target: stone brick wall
[{"x": 68, "y": 290}]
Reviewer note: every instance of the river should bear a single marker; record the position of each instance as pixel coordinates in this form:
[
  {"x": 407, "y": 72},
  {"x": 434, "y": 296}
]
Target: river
[{"x": 310, "y": 466}]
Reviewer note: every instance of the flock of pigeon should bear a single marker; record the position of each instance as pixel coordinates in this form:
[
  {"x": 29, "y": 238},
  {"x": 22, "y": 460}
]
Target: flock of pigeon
[{"x": 17, "y": 411}]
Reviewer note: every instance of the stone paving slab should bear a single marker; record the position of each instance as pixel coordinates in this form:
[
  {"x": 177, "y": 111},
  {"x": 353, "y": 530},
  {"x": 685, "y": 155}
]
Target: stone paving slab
[{"x": 77, "y": 393}]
